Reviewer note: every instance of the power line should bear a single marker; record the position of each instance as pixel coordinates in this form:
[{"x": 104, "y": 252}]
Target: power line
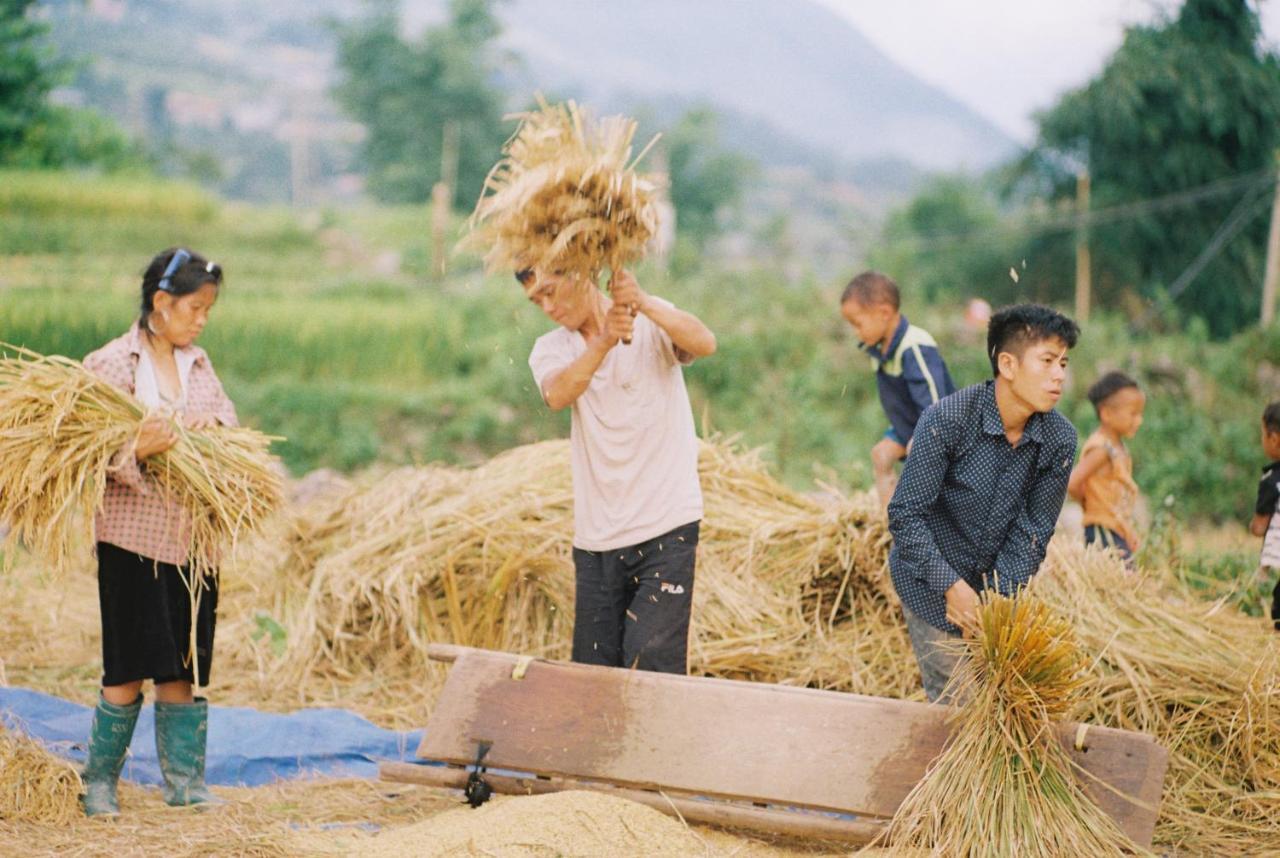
[
  {"x": 1251, "y": 203},
  {"x": 1071, "y": 221}
]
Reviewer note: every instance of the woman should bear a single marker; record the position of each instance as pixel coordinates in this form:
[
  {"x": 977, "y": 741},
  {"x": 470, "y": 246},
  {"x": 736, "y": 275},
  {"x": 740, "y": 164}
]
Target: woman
[{"x": 143, "y": 539}]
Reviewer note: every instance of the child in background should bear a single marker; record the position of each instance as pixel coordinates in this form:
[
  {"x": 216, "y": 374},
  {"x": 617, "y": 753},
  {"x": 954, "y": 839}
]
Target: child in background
[
  {"x": 1265, "y": 521},
  {"x": 1103, "y": 480},
  {"x": 910, "y": 373}
]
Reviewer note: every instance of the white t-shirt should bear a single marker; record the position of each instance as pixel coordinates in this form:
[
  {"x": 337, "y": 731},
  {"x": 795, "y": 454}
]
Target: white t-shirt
[{"x": 632, "y": 442}]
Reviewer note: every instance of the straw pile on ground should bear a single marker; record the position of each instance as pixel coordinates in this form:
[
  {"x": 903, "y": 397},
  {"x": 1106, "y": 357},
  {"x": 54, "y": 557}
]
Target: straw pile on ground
[
  {"x": 60, "y": 427},
  {"x": 1201, "y": 678},
  {"x": 333, "y": 817},
  {"x": 566, "y": 196},
  {"x": 1004, "y": 785},
  {"x": 35, "y": 786},
  {"x": 482, "y": 558}
]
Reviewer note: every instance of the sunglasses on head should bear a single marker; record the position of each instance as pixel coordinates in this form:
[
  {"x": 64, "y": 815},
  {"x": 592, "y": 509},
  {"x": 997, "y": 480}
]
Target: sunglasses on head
[{"x": 180, "y": 258}]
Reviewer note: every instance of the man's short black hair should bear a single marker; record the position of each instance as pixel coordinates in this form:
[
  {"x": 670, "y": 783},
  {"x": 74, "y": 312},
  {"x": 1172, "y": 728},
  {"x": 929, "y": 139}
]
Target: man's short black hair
[
  {"x": 1108, "y": 386},
  {"x": 1014, "y": 328},
  {"x": 1271, "y": 417},
  {"x": 872, "y": 287}
]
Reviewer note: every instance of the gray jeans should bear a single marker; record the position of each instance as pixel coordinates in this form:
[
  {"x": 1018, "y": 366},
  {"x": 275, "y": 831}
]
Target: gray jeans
[{"x": 937, "y": 662}]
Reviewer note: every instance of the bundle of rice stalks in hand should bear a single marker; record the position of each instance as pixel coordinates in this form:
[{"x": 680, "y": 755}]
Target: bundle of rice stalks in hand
[
  {"x": 566, "y": 196},
  {"x": 36, "y": 786},
  {"x": 60, "y": 426},
  {"x": 1004, "y": 784}
]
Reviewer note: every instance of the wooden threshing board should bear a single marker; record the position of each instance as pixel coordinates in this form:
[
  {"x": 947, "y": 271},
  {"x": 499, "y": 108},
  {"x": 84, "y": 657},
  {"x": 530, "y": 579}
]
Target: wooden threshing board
[{"x": 767, "y": 744}]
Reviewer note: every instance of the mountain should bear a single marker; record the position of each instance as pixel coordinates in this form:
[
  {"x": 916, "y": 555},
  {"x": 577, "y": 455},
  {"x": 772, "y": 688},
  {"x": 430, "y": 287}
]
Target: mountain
[
  {"x": 248, "y": 82},
  {"x": 791, "y": 64}
]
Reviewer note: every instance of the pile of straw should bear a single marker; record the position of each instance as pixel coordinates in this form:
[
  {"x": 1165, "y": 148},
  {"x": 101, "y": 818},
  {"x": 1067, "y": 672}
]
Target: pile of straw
[
  {"x": 482, "y": 558},
  {"x": 1004, "y": 785},
  {"x": 60, "y": 426},
  {"x": 566, "y": 196},
  {"x": 36, "y": 786},
  {"x": 1199, "y": 677}
]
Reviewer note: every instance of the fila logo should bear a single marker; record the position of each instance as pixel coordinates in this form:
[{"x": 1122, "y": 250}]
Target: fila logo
[{"x": 674, "y": 589}]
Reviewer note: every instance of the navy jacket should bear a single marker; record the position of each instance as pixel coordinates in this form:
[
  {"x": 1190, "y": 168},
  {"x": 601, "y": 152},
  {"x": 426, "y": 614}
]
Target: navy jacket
[{"x": 910, "y": 377}]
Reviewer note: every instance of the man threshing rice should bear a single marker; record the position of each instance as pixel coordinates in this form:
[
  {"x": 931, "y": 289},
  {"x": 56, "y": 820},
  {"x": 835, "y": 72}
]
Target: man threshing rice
[
  {"x": 145, "y": 579},
  {"x": 637, "y": 501},
  {"x": 563, "y": 204},
  {"x": 981, "y": 491}
]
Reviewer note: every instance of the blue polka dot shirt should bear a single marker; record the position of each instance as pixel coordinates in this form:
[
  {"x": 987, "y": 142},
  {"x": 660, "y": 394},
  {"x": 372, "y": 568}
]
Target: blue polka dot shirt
[{"x": 970, "y": 505}]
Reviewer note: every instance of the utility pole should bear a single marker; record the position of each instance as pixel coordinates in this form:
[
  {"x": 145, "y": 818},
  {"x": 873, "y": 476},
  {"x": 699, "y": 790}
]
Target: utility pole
[
  {"x": 442, "y": 196},
  {"x": 297, "y": 130},
  {"x": 1271, "y": 280},
  {"x": 1084, "y": 284}
]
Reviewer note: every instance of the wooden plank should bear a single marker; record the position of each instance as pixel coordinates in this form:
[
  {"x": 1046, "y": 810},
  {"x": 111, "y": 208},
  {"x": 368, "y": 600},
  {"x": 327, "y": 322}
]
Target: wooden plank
[
  {"x": 737, "y": 740},
  {"x": 794, "y": 823}
]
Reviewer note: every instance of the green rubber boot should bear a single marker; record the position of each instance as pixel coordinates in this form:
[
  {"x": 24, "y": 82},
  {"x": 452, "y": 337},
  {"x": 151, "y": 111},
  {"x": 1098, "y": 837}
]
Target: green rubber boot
[
  {"x": 108, "y": 743},
  {"x": 181, "y": 733}
]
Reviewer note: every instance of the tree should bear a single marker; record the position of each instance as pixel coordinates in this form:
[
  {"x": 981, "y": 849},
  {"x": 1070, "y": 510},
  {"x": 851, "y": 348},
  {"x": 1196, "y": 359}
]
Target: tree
[
  {"x": 1179, "y": 105},
  {"x": 706, "y": 180},
  {"x": 26, "y": 75},
  {"x": 406, "y": 94},
  {"x": 33, "y": 132},
  {"x": 953, "y": 241}
]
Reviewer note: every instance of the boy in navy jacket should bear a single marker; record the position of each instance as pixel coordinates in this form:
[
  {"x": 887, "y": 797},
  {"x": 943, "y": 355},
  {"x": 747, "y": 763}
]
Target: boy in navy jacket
[{"x": 910, "y": 373}]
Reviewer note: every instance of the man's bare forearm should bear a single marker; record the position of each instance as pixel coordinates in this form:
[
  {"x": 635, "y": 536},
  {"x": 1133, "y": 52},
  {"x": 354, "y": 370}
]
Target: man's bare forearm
[
  {"x": 564, "y": 388},
  {"x": 687, "y": 331}
]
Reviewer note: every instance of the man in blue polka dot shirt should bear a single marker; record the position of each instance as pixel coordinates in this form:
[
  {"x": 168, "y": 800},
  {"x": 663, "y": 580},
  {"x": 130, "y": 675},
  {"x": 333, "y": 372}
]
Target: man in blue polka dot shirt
[{"x": 983, "y": 485}]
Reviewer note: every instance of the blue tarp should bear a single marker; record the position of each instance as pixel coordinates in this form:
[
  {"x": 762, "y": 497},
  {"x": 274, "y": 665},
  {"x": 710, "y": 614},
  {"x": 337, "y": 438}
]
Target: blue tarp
[{"x": 246, "y": 747}]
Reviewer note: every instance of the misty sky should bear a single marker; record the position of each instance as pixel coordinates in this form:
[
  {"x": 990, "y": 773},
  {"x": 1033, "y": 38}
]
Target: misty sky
[{"x": 1008, "y": 58}]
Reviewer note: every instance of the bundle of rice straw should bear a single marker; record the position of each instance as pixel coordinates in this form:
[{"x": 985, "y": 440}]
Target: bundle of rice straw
[
  {"x": 36, "y": 786},
  {"x": 566, "y": 196},
  {"x": 1004, "y": 783},
  {"x": 60, "y": 425}
]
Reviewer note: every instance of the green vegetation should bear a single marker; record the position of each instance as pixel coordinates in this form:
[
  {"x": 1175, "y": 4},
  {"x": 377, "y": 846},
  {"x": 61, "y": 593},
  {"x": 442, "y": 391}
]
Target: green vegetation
[
  {"x": 408, "y": 95},
  {"x": 411, "y": 96},
  {"x": 1179, "y": 105},
  {"x": 706, "y": 180},
  {"x": 34, "y": 132},
  {"x": 1179, "y": 134},
  {"x": 357, "y": 366}
]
